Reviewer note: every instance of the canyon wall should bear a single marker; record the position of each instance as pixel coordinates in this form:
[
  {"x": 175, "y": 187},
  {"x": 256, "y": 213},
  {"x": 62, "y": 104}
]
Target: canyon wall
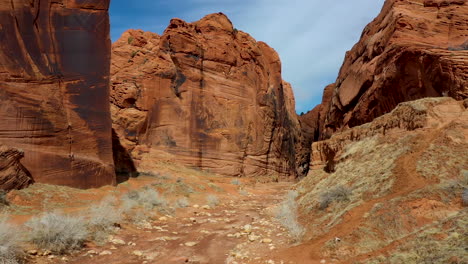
[
  {"x": 205, "y": 95},
  {"x": 412, "y": 50},
  {"x": 54, "y": 85}
]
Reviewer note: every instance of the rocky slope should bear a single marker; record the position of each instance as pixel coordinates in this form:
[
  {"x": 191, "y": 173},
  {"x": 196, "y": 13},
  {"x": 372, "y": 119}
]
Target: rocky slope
[
  {"x": 391, "y": 191},
  {"x": 413, "y": 49},
  {"x": 13, "y": 175},
  {"x": 204, "y": 95},
  {"x": 54, "y": 78}
]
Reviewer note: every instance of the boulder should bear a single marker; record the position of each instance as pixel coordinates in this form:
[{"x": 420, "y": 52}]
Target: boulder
[{"x": 13, "y": 175}]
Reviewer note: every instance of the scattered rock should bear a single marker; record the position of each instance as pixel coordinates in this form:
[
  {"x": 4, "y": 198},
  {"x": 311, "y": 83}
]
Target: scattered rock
[
  {"x": 247, "y": 228},
  {"x": 32, "y": 252},
  {"x": 117, "y": 241},
  {"x": 105, "y": 252},
  {"x": 191, "y": 244}
]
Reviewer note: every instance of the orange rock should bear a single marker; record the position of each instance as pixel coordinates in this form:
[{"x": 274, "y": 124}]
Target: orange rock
[
  {"x": 425, "y": 114},
  {"x": 412, "y": 50},
  {"x": 204, "y": 95},
  {"x": 13, "y": 175},
  {"x": 54, "y": 78}
]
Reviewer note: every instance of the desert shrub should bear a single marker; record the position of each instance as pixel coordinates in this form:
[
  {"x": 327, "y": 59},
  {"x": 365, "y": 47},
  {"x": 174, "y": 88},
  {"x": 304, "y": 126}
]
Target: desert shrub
[
  {"x": 212, "y": 200},
  {"x": 236, "y": 182},
  {"x": 215, "y": 187},
  {"x": 130, "y": 39},
  {"x": 337, "y": 194},
  {"x": 103, "y": 218},
  {"x": 182, "y": 202},
  {"x": 57, "y": 232},
  {"x": 9, "y": 243},
  {"x": 3, "y": 198},
  {"x": 146, "y": 198},
  {"x": 243, "y": 192},
  {"x": 465, "y": 197},
  {"x": 286, "y": 214}
]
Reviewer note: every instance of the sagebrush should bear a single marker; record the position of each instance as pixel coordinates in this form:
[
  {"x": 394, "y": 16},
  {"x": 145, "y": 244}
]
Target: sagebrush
[
  {"x": 9, "y": 243},
  {"x": 103, "y": 218},
  {"x": 287, "y": 216},
  {"x": 57, "y": 232},
  {"x": 336, "y": 194},
  {"x": 212, "y": 200}
]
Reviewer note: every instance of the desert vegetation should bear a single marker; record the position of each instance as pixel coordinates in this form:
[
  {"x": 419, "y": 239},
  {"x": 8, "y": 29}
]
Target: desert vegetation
[
  {"x": 57, "y": 232},
  {"x": 212, "y": 200},
  {"x": 62, "y": 233},
  {"x": 286, "y": 214},
  {"x": 9, "y": 243},
  {"x": 336, "y": 194}
]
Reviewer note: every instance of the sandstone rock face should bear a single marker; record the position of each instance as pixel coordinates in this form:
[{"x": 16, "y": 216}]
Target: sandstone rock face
[
  {"x": 412, "y": 50},
  {"x": 204, "y": 95},
  {"x": 54, "y": 78},
  {"x": 423, "y": 115},
  {"x": 13, "y": 175}
]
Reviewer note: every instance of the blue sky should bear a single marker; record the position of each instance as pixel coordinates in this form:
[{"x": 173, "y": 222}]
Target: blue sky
[{"x": 311, "y": 36}]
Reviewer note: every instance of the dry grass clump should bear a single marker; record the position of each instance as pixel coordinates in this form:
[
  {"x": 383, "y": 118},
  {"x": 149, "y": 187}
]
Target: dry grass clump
[
  {"x": 212, "y": 200},
  {"x": 57, "y": 232},
  {"x": 287, "y": 216},
  {"x": 236, "y": 182},
  {"x": 103, "y": 218},
  {"x": 147, "y": 198},
  {"x": 182, "y": 202},
  {"x": 465, "y": 197},
  {"x": 9, "y": 243},
  {"x": 337, "y": 194},
  {"x": 3, "y": 198}
]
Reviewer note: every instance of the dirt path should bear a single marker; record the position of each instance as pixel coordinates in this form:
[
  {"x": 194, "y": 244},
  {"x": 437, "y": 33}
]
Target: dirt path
[{"x": 238, "y": 230}]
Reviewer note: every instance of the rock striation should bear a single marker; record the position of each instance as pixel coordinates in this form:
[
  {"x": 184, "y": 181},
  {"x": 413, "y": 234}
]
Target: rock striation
[
  {"x": 13, "y": 175},
  {"x": 206, "y": 95},
  {"x": 54, "y": 79},
  {"x": 412, "y": 50}
]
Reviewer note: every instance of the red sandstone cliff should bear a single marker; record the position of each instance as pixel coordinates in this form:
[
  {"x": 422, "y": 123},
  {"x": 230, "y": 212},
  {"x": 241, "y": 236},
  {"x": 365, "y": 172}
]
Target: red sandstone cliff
[
  {"x": 54, "y": 79},
  {"x": 205, "y": 95},
  {"x": 413, "y": 49}
]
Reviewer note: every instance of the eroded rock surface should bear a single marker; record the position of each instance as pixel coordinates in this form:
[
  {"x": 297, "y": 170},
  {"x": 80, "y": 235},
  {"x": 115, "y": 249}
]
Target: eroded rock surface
[
  {"x": 412, "y": 50},
  {"x": 205, "y": 95},
  {"x": 13, "y": 175},
  {"x": 54, "y": 78},
  {"x": 428, "y": 114}
]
